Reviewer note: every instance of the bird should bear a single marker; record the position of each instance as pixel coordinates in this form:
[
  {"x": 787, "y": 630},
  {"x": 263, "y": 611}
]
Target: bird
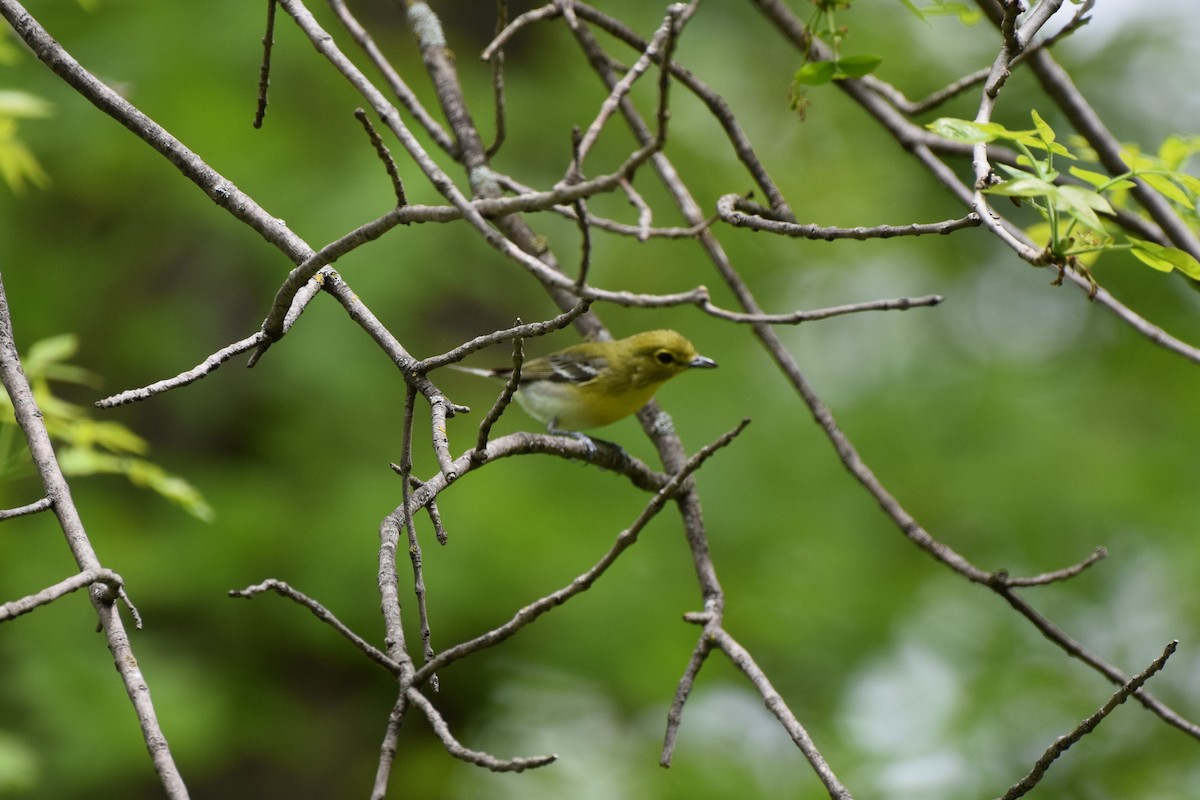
[{"x": 593, "y": 384}]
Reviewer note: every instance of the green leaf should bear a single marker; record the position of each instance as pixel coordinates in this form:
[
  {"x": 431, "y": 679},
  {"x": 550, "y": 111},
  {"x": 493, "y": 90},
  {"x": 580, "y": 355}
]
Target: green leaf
[
  {"x": 1167, "y": 188},
  {"x": 966, "y": 15},
  {"x": 1041, "y": 172},
  {"x": 17, "y": 164},
  {"x": 1189, "y": 182},
  {"x": 22, "y": 105},
  {"x": 857, "y": 66},
  {"x": 112, "y": 436},
  {"x": 139, "y": 472},
  {"x": 9, "y": 54},
  {"x": 1082, "y": 204},
  {"x": 90, "y": 446},
  {"x": 1177, "y": 149},
  {"x": 815, "y": 73},
  {"x": 1044, "y": 131},
  {"x": 1101, "y": 181},
  {"x": 1165, "y": 259},
  {"x": 1023, "y": 186},
  {"x": 45, "y": 361},
  {"x": 52, "y": 350},
  {"x": 962, "y": 130}
]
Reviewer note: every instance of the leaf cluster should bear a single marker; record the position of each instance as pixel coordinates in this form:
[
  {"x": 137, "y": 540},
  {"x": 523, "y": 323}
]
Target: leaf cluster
[
  {"x": 1079, "y": 213},
  {"x": 89, "y": 446}
]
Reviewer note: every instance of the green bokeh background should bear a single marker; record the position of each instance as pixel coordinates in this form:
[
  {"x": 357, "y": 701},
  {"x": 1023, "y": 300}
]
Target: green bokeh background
[{"x": 1021, "y": 425}]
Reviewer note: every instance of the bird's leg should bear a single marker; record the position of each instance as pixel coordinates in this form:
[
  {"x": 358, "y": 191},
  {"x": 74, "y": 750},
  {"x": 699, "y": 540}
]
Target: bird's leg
[{"x": 553, "y": 429}]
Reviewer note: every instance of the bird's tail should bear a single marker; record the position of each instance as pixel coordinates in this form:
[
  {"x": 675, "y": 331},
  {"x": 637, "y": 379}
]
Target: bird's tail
[{"x": 483, "y": 373}]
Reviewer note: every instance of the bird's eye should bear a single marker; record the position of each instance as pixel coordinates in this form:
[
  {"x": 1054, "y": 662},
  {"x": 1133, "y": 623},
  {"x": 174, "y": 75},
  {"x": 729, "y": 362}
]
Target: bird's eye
[{"x": 664, "y": 357}]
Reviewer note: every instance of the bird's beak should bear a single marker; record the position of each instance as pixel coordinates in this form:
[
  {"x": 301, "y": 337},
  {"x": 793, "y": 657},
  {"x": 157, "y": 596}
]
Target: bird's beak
[{"x": 702, "y": 361}]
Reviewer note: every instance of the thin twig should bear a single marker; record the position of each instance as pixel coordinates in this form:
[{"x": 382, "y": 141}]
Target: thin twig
[
  {"x": 624, "y": 540},
  {"x": 385, "y": 156},
  {"x": 431, "y": 508},
  {"x": 389, "y": 746},
  {"x": 1063, "y": 743},
  {"x": 661, "y": 41},
  {"x": 775, "y": 703},
  {"x": 264, "y": 72},
  {"x": 642, "y": 231},
  {"x": 957, "y": 87},
  {"x": 583, "y": 222},
  {"x": 731, "y": 209},
  {"x": 502, "y": 401},
  {"x": 683, "y": 690},
  {"x": 44, "y": 504},
  {"x": 1076, "y": 650},
  {"x": 201, "y": 370},
  {"x": 319, "y": 611},
  {"x": 797, "y": 317},
  {"x": 15, "y": 608},
  {"x": 477, "y": 757},
  {"x": 1058, "y": 575},
  {"x": 406, "y": 96},
  {"x": 414, "y": 544},
  {"x": 645, "y": 212},
  {"x": 528, "y": 330},
  {"x": 498, "y": 97},
  {"x": 717, "y": 106},
  {"x": 549, "y": 11}
]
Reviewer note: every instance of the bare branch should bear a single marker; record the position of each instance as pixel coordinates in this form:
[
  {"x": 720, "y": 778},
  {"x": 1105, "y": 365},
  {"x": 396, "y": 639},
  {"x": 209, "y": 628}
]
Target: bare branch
[
  {"x": 713, "y": 101},
  {"x": 625, "y": 539},
  {"x": 473, "y": 756},
  {"x": 389, "y": 590},
  {"x": 498, "y": 97},
  {"x": 548, "y": 11},
  {"x": 384, "y": 154},
  {"x": 971, "y": 80},
  {"x": 220, "y": 190},
  {"x": 1076, "y": 650},
  {"x": 320, "y": 612},
  {"x": 797, "y": 317},
  {"x": 264, "y": 74},
  {"x": 406, "y": 96},
  {"x": 742, "y": 659},
  {"x": 661, "y": 41},
  {"x": 731, "y": 208},
  {"x": 642, "y": 231},
  {"x": 414, "y": 545},
  {"x": 29, "y": 419},
  {"x": 16, "y": 608},
  {"x": 387, "y": 750},
  {"x": 1058, "y": 575},
  {"x": 1063, "y": 743},
  {"x": 683, "y": 690},
  {"x": 530, "y": 330},
  {"x": 33, "y": 508},
  {"x": 502, "y": 401},
  {"x": 201, "y": 370}
]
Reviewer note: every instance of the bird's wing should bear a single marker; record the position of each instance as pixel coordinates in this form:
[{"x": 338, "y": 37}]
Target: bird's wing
[{"x": 564, "y": 367}]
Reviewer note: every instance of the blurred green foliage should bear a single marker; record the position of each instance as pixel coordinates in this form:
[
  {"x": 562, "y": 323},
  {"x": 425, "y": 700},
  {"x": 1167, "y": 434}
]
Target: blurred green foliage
[
  {"x": 88, "y": 446},
  {"x": 1019, "y": 424}
]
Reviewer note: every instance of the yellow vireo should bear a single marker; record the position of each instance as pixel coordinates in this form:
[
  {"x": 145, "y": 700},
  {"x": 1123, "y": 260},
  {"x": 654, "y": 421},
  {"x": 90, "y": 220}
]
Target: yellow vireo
[{"x": 593, "y": 384}]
